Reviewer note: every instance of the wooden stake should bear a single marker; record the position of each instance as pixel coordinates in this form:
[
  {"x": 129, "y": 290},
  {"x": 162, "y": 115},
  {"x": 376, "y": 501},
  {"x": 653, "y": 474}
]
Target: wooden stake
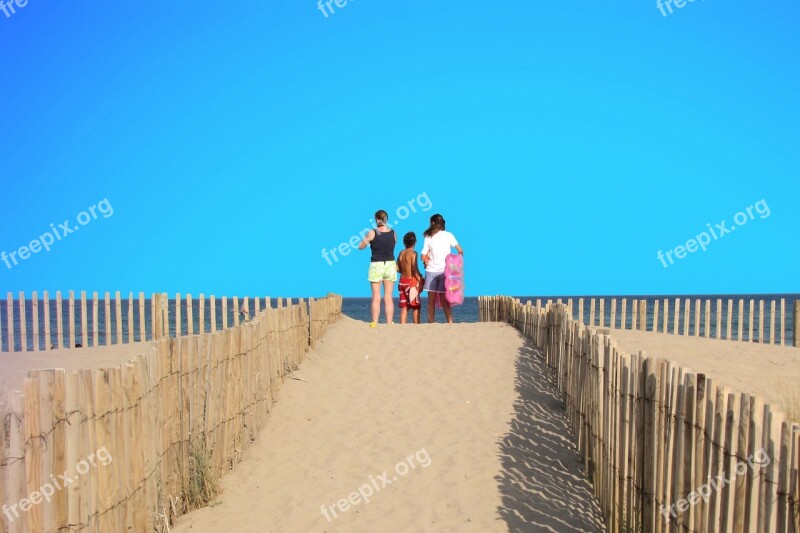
[
  {"x": 142, "y": 322},
  {"x": 23, "y": 323},
  {"x": 772, "y": 335},
  {"x": 729, "y": 320},
  {"x": 189, "y": 315},
  {"x": 130, "y": 317},
  {"x": 35, "y": 333},
  {"x": 686, "y": 307},
  {"x": 623, "y": 317},
  {"x": 697, "y": 318},
  {"x": 224, "y": 312},
  {"x": 740, "y": 326},
  {"x": 613, "y": 312},
  {"x": 84, "y": 321},
  {"x": 107, "y": 332},
  {"x": 643, "y": 314},
  {"x": 60, "y": 320},
  {"x": 655, "y": 316},
  {"x": 201, "y": 315},
  {"x": 48, "y": 342},
  {"x": 118, "y": 316},
  {"x": 95, "y": 319},
  {"x": 213, "y": 310}
]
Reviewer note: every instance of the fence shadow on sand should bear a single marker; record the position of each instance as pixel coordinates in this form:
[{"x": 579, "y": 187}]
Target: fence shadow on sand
[{"x": 542, "y": 483}]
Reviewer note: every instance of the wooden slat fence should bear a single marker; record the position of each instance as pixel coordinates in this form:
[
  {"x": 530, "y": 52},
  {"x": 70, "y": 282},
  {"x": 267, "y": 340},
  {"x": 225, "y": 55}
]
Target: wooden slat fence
[
  {"x": 773, "y": 321},
  {"x": 322, "y": 313},
  {"x": 132, "y": 439},
  {"x": 666, "y": 449},
  {"x": 40, "y": 323}
]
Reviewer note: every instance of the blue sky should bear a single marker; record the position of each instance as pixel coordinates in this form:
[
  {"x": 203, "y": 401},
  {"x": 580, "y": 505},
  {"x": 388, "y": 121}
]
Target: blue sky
[{"x": 565, "y": 143}]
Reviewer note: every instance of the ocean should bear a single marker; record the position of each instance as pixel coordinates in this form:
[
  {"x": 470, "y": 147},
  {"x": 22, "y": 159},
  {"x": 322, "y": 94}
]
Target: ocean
[{"x": 359, "y": 308}]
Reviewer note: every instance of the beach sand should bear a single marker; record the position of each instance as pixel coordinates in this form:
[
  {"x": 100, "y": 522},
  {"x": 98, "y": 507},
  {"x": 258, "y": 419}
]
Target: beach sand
[
  {"x": 767, "y": 370},
  {"x": 470, "y": 401},
  {"x": 14, "y": 366}
]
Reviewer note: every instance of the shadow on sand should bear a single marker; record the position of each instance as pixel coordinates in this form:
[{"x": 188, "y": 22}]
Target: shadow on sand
[{"x": 542, "y": 484}]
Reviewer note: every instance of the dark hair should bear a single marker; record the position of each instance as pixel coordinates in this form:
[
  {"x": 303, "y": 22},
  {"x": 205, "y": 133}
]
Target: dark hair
[
  {"x": 437, "y": 225},
  {"x": 381, "y": 215},
  {"x": 409, "y": 239}
]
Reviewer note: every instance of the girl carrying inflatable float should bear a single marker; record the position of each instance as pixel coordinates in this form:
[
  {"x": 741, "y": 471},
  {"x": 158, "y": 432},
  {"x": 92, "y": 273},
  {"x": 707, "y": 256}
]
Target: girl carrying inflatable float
[{"x": 435, "y": 252}]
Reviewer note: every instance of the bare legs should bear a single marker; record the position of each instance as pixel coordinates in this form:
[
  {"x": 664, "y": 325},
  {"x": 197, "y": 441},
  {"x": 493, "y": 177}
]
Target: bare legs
[
  {"x": 448, "y": 313},
  {"x": 388, "y": 303},
  {"x": 376, "y": 300}
]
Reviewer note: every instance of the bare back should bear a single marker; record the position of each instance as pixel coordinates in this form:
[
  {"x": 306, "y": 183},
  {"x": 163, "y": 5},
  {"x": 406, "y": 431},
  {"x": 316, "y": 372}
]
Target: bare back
[{"x": 407, "y": 264}]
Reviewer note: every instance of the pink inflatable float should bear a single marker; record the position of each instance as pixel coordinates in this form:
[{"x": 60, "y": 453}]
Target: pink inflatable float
[{"x": 454, "y": 279}]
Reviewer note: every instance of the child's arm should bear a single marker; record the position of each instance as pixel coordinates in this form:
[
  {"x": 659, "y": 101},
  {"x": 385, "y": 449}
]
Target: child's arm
[{"x": 415, "y": 268}]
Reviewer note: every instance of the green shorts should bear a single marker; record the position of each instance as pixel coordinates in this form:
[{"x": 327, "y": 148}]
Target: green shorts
[{"x": 382, "y": 271}]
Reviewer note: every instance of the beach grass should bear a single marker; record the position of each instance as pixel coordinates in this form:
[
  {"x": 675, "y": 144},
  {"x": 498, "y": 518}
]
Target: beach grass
[
  {"x": 203, "y": 484},
  {"x": 790, "y": 402}
]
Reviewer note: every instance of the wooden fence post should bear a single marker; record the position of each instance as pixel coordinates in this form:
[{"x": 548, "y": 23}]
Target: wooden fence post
[
  {"x": 35, "y": 312},
  {"x": 10, "y": 320},
  {"x": 118, "y": 316},
  {"x": 797, "y": 323},
  {"x": 189, "y": 316},
  {"x": 23, "y": 326},
  {"x": 130, "y": 317},
  {"x": 687, "y": 303},
  {"x": 729, "y": 319},
  {"x": 643, "y": 315},
  {"x": 623, "y": 314},
  {"x": 107, "y": 318},
  {"x": 142, "y": 323},
  {"x": 71, "y": 324},
  {"x": 655, "y": 316},
  {"x": 95, "y": 319},
  {"x": 46, "y": 302},
  {"x": 60, "y": 319},
  {"x": 697, "y": 317},
  {"x": 613, "y": 313}
]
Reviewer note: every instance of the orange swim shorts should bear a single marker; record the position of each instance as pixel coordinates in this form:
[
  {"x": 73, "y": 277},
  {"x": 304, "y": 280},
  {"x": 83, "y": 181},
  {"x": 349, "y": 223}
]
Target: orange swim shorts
[{"x": 409, "y": 293}]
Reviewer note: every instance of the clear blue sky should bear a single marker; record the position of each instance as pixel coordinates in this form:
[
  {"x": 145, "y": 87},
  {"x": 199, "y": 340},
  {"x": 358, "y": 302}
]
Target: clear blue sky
[{"x": 565, "y": 143}]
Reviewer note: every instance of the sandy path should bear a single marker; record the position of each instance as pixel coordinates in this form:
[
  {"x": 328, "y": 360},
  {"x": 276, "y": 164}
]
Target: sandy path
[{"x": 468, "y": 405}]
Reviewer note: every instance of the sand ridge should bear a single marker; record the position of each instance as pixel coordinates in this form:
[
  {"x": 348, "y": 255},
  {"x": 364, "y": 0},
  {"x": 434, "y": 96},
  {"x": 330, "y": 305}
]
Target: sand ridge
[
  {"x": 767, "y": 370},
  {"x": 498, "y": 453}
]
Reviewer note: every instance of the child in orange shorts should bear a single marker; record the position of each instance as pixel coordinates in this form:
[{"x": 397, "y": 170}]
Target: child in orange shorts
[{"x": 411, "y": 279}]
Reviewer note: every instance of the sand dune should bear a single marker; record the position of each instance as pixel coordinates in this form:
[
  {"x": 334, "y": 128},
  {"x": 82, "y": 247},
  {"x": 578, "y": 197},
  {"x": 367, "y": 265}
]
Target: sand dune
[
  {"x": 460, "y": 417},
  {"x": 767, "y": 370}
]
